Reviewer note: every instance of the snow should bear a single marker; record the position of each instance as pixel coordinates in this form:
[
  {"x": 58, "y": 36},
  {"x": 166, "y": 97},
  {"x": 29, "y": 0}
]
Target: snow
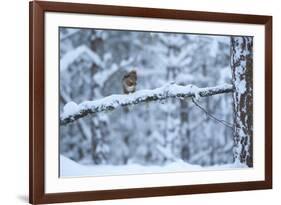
[
  {"x": 241, "y": 86},
  {"x": 239, "y": 61},
  {"x": 101, "y": 77},
  {"x": 196, "y": 92},
  {"x": 72, "y": 55},
  {"x": 69, "y": 33},
  {"x": 70, "y": 108},
  {"x": 69, "y": 168},
  {"x": 165, "y": 151},
  {"x": 113, "y": 101}
]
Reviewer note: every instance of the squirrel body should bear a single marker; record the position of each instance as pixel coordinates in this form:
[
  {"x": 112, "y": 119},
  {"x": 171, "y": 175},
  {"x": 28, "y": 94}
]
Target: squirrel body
[{"x": 129, "y": 82}]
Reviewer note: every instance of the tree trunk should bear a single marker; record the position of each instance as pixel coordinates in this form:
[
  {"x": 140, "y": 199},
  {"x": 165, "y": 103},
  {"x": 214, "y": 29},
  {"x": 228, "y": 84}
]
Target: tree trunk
[
  {"x": 94, "y": 123},
  {"x": 242, "y": 75},
  {"x": 185, "y": 130}
]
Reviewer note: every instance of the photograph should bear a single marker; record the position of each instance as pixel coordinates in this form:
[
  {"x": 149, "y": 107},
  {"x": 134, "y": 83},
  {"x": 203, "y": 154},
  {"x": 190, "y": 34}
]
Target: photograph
[
  {"x": 145, "y": 102},
  {"x": 132, "y": 102}
]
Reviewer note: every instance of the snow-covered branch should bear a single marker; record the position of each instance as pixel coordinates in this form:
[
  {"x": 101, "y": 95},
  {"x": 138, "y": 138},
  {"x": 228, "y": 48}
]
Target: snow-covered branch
[
  {"x": 73, "y": 112},
  {"x": 72, "y": 55}
]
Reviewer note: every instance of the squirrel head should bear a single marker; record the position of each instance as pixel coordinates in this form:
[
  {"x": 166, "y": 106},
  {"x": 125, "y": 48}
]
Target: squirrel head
[{"x": 131, "y": 74}]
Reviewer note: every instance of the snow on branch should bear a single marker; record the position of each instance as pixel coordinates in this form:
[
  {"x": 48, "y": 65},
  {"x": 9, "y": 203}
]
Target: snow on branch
[
  {"x": 72, "y": 55},
  {"x": 73, "y": 112}
]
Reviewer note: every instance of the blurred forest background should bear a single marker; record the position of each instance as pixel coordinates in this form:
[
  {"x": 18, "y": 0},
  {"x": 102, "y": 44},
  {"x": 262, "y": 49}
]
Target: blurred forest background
[{"x": 92, "y": 64}]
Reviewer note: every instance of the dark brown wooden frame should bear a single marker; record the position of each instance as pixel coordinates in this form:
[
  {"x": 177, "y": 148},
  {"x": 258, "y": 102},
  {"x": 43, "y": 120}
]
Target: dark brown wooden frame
[{"x": 36, "y": 142}]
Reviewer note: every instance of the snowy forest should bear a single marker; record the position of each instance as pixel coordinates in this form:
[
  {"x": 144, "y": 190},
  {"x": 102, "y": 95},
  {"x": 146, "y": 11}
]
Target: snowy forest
[{"x": 191, "y": 108}]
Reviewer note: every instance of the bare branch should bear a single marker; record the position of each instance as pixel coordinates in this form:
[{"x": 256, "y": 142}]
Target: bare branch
[
  {"x": 72, "y": 111},
  {"x": 223, "y": 122}
]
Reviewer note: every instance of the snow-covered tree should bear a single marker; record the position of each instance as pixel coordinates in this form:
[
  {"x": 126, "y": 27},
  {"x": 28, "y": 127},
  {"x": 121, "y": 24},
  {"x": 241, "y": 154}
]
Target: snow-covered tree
[{"x": 242, "y": 75}]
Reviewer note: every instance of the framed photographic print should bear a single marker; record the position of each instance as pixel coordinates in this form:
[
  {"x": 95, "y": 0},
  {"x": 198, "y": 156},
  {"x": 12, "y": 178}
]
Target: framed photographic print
[{"x": 138, "y": 102}]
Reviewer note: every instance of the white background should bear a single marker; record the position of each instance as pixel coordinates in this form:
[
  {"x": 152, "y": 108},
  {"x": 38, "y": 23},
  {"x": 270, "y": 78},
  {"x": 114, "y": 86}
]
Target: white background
[{"x": 14, "y": 100}]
